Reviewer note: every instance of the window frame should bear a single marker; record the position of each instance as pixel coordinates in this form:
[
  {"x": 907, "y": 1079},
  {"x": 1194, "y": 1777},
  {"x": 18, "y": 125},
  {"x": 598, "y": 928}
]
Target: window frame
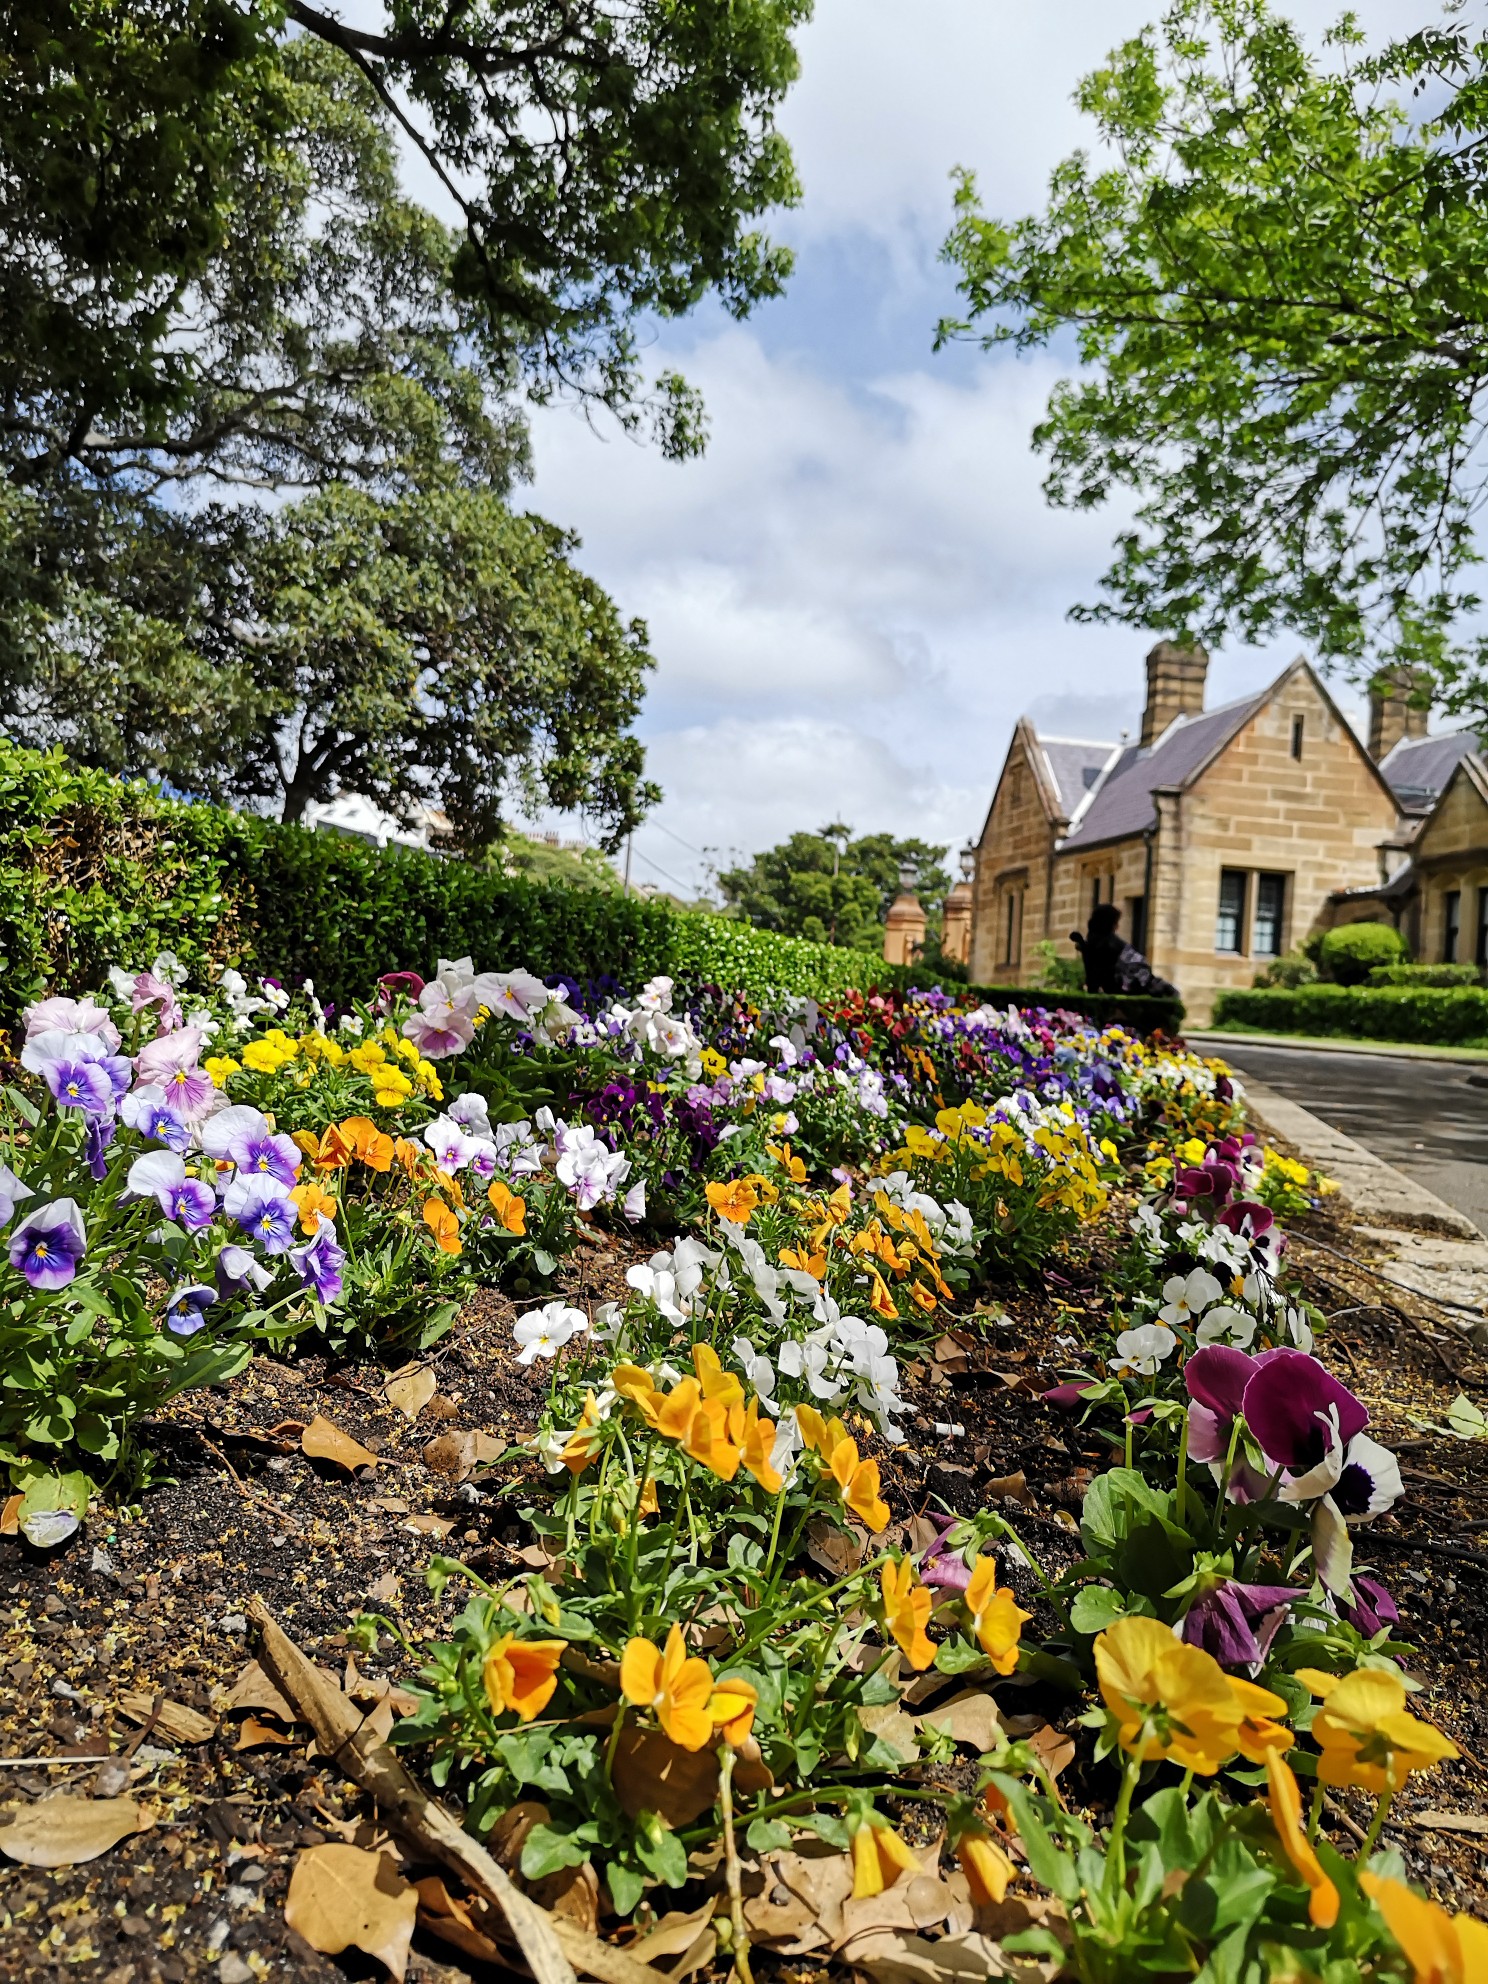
[
  {"x": 1299, "y": 731},
  {"x": 1451, "y": 925},
  {"x": 1262, "y": 876},
  {"x": 1481, "y": 947}
]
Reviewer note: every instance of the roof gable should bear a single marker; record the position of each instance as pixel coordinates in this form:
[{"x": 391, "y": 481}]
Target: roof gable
[
  {"x": 1470, "y": 770},
  {"x": 1058, "y": 765},
  {"x": 1418, "y": 770}
]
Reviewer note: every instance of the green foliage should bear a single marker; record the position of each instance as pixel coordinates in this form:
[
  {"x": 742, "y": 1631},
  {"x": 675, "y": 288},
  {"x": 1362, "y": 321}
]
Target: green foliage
[
  {"x": 1350, "y": 953},
  {"x": 1278, "y": 290},
  {"x": 1057, "y": 973},
  {"x": 829, "y": 888},
  {"x": 1450, "y": 1015},
  {"x": 581, "y": 868},
  {"x": 1296, "y": 968},
  {"x": 1425, "y": 974}
]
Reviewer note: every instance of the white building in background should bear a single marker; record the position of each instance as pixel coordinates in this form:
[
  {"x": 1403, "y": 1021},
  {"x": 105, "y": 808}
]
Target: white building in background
[{"x": 354, "y": 815}]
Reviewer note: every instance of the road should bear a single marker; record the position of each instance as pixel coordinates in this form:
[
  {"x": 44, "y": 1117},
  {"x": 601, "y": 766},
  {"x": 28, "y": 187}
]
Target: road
[{"x": 1428, "y": 1118}]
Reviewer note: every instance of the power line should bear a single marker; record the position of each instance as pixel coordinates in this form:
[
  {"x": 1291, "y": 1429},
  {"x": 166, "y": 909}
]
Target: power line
[{"x": 642, "y": 856}]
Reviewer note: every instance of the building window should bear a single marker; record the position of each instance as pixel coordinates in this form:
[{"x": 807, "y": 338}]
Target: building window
[
  {"x": 1451, "y": 924},
  {"x": 1270, "y": 905},
  {"x": 1136, "y": 921},
  {"x": 1297, "y": 723},
  {"x": 1095, "y": 895},
  {"x": 1480, "y": 955},
  {"x": 1230, "y": 922},
  {"x": 1009, "y": 928}
]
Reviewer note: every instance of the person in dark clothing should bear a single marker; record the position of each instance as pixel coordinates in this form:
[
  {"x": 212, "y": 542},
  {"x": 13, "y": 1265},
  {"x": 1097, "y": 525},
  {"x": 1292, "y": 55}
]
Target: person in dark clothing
[{"x": 1112, "y": 964}]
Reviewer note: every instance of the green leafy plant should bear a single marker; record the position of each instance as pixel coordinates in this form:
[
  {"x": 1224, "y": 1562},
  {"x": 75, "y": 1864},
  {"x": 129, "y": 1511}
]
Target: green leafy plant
[{"x": 1350, "y": 953}]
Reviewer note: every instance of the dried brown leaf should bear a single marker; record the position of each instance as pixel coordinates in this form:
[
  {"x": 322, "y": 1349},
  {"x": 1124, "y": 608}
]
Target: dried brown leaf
[
  {"x": 410, "y": 1389},
  {"x": 971, "y": 1718},
  {"x": 651, "y": 1773},
  {"x": 322, "y": 1439},
  {"x": 430, "y": 1525},
  {"x": 64, "y": 1831},
  {"x": 342, "y": 1898},
  {"x": 891, "y": 1725},
  {"x": 175, "y": 1720},
  {"x": 256, "y": 1735}
]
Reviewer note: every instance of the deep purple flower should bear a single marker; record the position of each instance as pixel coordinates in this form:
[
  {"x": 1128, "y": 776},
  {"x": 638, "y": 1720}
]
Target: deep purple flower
[
  {"x": 1067, "y": 1397},
  {"x": 318, "y": 1263},
  {"x": 1213, "y": 1180},
  {"x": 238, "y": 1268},
  {"x": 1248, "y": 1218},
  {"x": 941, "y": 1565},
  {"x": 47, "y": 1247},
  {"x": 1372, "y": 1610},
  {"x": 1237, "y": 1622},
  {"x": 1299, "y": 1412},
  {"x": 79, "y": 1084},
  {"x": 185, "y": 1312},
  {"x": 1216, "y": 1377},
  {"x": 392, "y": 984},
  {"x": 98, "y": 1134},
  {"x": 264, "y": 1211}
]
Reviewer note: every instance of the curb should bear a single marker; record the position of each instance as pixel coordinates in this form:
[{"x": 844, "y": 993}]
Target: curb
[
  {"x": 1393, "y": 1050},
  {"x": 1376, "y": 1190}
]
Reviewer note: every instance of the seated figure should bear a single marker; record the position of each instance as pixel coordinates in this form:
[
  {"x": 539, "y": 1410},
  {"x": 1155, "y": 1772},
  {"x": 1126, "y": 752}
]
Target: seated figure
[{"x": 1112, "y": 964}]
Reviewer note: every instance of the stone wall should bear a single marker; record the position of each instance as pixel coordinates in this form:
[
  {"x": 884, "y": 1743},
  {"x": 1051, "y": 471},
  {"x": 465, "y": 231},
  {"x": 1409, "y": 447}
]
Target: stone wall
[
  {"x": 1014, "y": 858},
  {"x": 1451, "y": 858}
]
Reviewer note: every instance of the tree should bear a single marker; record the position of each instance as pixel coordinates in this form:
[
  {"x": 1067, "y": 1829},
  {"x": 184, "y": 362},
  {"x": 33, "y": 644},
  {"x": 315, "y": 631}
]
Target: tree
[
  {"x": 428, "y": 647},
  {"x": 609, "y": 158},
  {"x": 1280, "y": 290},
  {"x": 833, "y": 889}
]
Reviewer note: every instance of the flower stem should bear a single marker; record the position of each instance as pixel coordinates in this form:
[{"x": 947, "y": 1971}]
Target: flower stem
[{"x": 731, "y": 1866}]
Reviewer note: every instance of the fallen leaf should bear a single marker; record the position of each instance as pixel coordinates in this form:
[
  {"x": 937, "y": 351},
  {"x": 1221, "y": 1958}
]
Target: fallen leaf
[
  {"x": 891, "y": 1725},
  {"x": 674, "y": 1933},
  {"x": 1008, "y": 1488},
  {"x": 837, "y": 1550},
  {"x": 387, "y": 1590},
  {"x": 457, "y": 1920},
  {"x": 1053, "y": 1746},
  {"x": 10, "y": 1516},
  {"x": 953, "y": 1960},
  {"x": 456, "y": 1454},
  {"x": 64, "y": 1831},
  {"x": 323, "y": 1440},
  {"x": 1451, "y": 1821},
  {"x": 342, "y": 1898},
  {"x": 254, "y": 1690},
  {"x": 651, "y": 1773},
  {"x": 256, "y": 1735},
  {"x": 410, "y": 1389},
  {"x": 430, "y": 1525},
  {"x": 386, "y": 1505},
  {"x": 971, "y": 1718},
  {"x": 181, "y": 1724},
  {"x": 800, "y": 1909},
  {"x": 573, "y": 1893}
]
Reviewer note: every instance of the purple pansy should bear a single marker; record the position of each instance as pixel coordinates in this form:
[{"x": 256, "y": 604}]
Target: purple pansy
[
  {"x": 161, "y": 1175},
  {"x": 239, "y": 1268},
  {"x": 1372, "y": 1610},
  {"x": 146, "y": 1110},
  {"x": 12, "y": 1191},
  {"x": 264, "y": 1210},
  {"x": 169, "y": 1062},
  {"x": 47, "y": 1247},
  {"x": 318, "y": 1263},
  {"x": 98, "y": 1134},
  {"x": 942, "y": 1565},
  {"x": 248, "y": 1138},
  {"x": 1302, "y": 1417},
  {"x": 71, "y": 1016},
  {"x": 1237, "y": 1622},
  {"x": 79, "y": 1084},
  {"x": 185, "y": 1312},
  {"x": 1216, "y": 1377}
]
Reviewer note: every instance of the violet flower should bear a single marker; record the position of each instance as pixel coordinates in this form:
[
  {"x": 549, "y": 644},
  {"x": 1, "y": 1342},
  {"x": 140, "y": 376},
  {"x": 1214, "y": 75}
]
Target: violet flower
[
  {"x": 60, "y": 1015},
  {"x": 47, "y": 1247},
  {"x": 942, "y": 1565},
  {"x": 148, "y": 990},
  {"x": 79, "y": 1084},
  {"x": 161, "y": 1175},
  {"x": 263, "y": 1210},
  {"x": 146, "y": 1110},
  {"x": 1237, "y": 1622},
  {"x": 98, "y": 1134},
  {"x": 1372, "y": 1609},
  {"x": 185, "y": 1312},
  {"x": 319, "y": 1262},
  {"x": 1216, "y": 1377},
  {"x": 245, "y": 1135},
  {"x": 239, "y": 1268}
]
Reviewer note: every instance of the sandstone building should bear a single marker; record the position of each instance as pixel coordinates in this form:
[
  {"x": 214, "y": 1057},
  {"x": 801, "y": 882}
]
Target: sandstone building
[{"x": 1227, "y": 835}]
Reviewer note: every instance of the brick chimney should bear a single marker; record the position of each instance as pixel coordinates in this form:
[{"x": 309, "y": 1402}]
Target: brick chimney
[
  {"x": 1392, "y": 714},
  {"x": 1175, "y": 686}
]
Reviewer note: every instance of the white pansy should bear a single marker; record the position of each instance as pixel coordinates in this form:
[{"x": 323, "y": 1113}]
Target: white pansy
[
  {"x": 1225, "y": 1325},
  {"x": 1142, "y": 1351},
  {"x": 1186, "y": 1297},
  {"x": 810, "y": 1361},
  {"x": 758, "y": 1369},
  {"x": 543, "y": 1332}
]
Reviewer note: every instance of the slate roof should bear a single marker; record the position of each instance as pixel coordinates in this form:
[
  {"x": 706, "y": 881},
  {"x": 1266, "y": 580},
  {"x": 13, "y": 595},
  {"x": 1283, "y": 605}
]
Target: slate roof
[
  {"x": 1123, "y": 804},
  {"x": 1074, "y": 765},
  {"x": 1418, "y": 768}
]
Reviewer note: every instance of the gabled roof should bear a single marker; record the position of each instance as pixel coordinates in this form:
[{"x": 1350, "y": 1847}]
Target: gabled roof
[
  {"x": 1470, "y": 766},
  {"x": 1419, "y": 769},
  {"x": 1075, "y": 764},
  {"x": 1122, "y": 804}
]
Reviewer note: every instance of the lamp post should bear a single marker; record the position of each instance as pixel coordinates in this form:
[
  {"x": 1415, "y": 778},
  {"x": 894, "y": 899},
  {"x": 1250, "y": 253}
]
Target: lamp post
[
  {"x": 955, "y": 935},
  {"x": 904, "y": 927}
]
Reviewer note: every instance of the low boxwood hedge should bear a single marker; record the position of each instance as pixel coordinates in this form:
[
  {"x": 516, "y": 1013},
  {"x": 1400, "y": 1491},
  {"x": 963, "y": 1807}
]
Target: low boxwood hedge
[{"x": 1430, "y": 1015}]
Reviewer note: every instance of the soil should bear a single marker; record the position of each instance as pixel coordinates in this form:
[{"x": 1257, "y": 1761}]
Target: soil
[{"x": 150, "y": 1601}]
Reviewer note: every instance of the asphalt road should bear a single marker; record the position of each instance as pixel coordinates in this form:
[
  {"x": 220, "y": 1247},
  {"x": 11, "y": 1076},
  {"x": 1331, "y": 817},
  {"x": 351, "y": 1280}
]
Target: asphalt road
[{"x": 1427, "y": 1118}]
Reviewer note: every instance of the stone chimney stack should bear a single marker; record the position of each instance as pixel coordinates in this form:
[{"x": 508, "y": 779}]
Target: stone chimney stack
[
  {"x": 1392, "y": 715},
  {"x": 1175, "y": 686}
]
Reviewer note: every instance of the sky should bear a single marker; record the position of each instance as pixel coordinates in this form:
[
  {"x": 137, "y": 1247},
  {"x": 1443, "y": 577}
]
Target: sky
[{"x": 859, "y": 588}]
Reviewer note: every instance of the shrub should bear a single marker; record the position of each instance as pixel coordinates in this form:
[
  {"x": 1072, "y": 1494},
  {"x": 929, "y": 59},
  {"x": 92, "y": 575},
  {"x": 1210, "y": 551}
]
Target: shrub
[
  {"x": 1296, "y": 968},
  {"x": 1348, "y": 955},
  {"x": 1425, "y": 974},
  {"x": 1431, "y": 1015}
]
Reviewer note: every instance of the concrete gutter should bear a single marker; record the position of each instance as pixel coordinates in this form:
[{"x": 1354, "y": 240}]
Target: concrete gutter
[
  {"x": 1386, "y": 1050},
  {"x": 1434, "y": 1249}
]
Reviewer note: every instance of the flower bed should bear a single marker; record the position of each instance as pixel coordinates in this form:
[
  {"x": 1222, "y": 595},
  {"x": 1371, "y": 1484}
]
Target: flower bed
[{"x": 742, "y": 1649}]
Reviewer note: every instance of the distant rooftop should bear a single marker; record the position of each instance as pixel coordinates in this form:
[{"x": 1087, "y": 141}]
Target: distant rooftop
[
  {"x": 1418, "y": 768},
  {"x": 1074, "y": 765},
  {"x": 1123, "y": 805}
]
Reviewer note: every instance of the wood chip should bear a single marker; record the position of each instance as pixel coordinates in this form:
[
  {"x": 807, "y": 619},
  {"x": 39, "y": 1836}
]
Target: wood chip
[{"x": 175, "y": 1720}]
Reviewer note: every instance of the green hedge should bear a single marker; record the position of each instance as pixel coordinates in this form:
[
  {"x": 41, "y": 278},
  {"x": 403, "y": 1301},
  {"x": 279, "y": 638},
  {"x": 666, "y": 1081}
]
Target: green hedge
[
  {"x": 95, "y": 872},
  {"x": 1449, "y": 1015},
  {"x": 1425, "y": 974}
]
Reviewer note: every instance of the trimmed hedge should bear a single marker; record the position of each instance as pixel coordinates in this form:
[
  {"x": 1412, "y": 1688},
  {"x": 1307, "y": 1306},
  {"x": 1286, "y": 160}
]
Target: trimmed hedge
[
  {"x": 1425, "y": 974},
  {"x": 1429, "y": 1015},
  {"x": 96, "y": 872},
  {"x": 1142, "y": 1015}
]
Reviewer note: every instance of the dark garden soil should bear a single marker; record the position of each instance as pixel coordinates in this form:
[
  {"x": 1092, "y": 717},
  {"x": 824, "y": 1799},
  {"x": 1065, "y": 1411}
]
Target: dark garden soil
[{"x": 150, "y": 1603}]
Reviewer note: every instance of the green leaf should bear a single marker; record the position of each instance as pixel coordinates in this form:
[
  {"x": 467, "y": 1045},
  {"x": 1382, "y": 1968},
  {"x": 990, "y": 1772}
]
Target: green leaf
[
  {"x": 545, "y": 1850},
  {"x": 626, "y": 1886},
  {"x": 767, "y": 1835}
]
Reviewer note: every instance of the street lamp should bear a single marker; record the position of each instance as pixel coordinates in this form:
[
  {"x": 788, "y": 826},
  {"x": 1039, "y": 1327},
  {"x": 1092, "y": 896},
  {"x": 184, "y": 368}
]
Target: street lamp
[
  {"x": 968, "y": 863},
  {"x": 909, "y": 874}
]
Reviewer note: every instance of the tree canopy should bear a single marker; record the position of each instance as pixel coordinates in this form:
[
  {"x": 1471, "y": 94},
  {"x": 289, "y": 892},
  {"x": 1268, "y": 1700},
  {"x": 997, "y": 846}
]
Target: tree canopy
[
  {"x": 1277, "y": 286},
  {"x": 215, "y": 294},
  {"x": 831, "y": 888}
]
